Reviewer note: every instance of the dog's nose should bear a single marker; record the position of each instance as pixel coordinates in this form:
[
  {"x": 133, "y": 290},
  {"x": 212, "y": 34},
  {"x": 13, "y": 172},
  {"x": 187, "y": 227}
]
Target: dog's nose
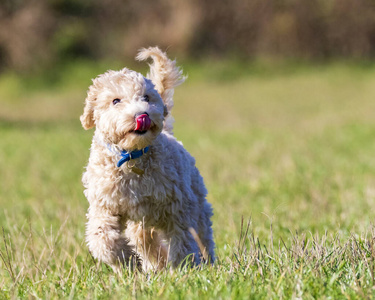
[{"x": 141, "y": 113}]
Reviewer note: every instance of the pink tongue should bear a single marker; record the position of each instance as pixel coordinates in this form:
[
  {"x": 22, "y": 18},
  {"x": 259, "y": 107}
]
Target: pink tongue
[{"x": 143, "y": 122}]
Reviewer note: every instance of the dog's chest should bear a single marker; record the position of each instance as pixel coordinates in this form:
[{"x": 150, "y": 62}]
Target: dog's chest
[{"x": 145, "y": 197}]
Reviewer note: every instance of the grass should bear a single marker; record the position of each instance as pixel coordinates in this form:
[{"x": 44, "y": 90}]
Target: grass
[{"x": 291, "y": 150}]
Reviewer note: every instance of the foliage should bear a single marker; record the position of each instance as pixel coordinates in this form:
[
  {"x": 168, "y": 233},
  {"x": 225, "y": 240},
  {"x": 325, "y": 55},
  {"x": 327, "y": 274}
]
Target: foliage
[{"x": 42, "y": 33}]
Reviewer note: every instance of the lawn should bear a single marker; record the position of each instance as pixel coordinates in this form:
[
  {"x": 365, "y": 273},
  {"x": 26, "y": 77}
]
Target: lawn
[{"x": 288, "y": 157}]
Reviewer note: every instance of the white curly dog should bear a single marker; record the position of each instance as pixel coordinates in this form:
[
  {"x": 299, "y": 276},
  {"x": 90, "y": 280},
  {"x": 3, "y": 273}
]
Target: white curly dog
[{"x": 147, "y": 199}]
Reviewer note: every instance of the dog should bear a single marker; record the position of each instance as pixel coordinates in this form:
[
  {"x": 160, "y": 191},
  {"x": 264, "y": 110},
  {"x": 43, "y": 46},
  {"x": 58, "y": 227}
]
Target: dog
[{"x": 147, "y": 199}]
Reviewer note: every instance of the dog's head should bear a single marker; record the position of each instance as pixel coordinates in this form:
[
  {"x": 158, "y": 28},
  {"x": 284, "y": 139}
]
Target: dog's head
[{"x": 125, "y": 108}]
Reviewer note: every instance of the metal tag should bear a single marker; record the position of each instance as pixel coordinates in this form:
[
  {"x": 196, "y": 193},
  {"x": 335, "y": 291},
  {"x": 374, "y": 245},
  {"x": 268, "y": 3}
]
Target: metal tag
[{"x": 137, "y": 171}]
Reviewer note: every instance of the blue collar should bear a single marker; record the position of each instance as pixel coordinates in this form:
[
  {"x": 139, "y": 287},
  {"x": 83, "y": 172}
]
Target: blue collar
[{"x": 126, "y": 156}]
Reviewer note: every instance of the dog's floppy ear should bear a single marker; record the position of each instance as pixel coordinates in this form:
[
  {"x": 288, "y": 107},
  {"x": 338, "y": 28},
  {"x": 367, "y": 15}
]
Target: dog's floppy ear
[
  {"x": 87, "y": 118},
  {"x": 164, "y": 73}
]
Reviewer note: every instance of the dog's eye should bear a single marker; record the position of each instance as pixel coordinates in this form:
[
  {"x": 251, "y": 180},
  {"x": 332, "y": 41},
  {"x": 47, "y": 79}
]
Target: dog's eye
[
  {"x": 146, "y": 98},
  {"x": 115, "y": 101}
]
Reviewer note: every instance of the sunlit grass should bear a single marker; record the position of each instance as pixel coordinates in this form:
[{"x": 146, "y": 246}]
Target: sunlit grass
[{"x": 293, "y": 151}]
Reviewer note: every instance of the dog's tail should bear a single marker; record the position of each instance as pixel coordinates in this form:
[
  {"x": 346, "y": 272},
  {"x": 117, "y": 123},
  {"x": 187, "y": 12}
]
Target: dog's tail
[{"x": 166, "y": 76}]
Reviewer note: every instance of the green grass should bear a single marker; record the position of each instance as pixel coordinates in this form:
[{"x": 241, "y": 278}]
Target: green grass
[{"x": 291, "y": 150}]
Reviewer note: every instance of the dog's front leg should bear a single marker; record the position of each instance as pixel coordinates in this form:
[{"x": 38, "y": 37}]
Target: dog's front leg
[
  {"x": 106, "y": 241},
  {"x": 183, "y": 248},
  {"x": 150, "y": 245}
]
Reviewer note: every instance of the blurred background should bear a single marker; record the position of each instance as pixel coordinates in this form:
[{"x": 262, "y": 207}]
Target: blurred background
[{"x": 42, "y": 33}]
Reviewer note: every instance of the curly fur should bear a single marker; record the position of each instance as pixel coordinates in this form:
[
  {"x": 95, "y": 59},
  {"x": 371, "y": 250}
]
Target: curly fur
[{"x": 149, "y": 217}]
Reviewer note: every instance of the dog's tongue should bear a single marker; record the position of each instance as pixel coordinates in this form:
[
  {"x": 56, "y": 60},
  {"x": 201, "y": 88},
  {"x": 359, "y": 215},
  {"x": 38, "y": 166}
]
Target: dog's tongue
[{"x": 143, "y": 122}]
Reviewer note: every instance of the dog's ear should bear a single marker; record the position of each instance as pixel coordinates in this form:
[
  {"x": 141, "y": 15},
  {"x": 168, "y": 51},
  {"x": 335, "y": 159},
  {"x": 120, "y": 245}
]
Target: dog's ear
[
  {"x": 87, "y": 118},
  {"x": 164, "y": 73}
]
